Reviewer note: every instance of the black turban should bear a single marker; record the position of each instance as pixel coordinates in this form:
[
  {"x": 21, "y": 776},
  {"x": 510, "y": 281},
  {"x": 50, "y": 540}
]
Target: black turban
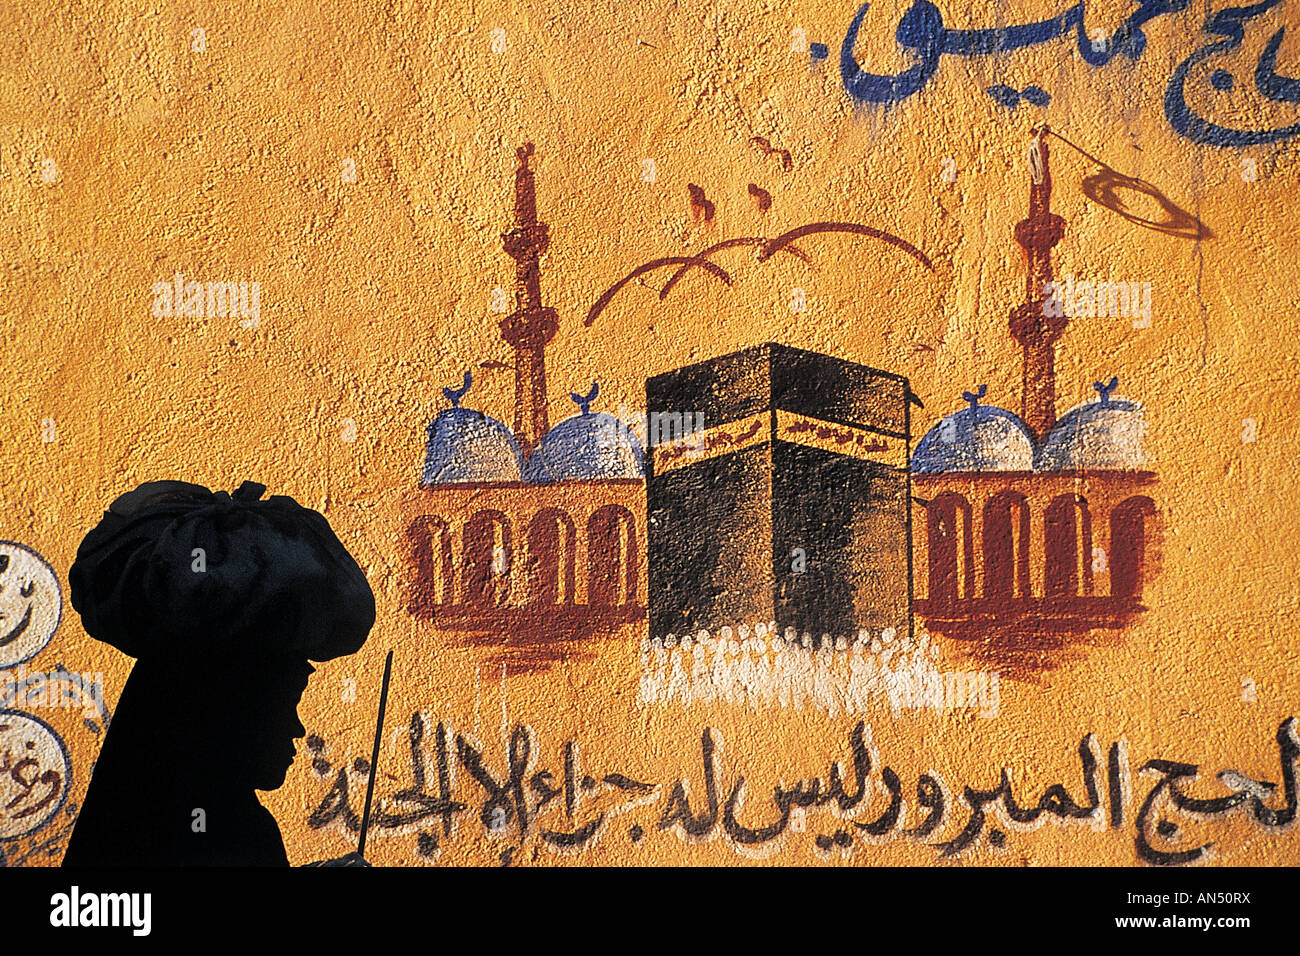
[{"x": 271, "y": 578}]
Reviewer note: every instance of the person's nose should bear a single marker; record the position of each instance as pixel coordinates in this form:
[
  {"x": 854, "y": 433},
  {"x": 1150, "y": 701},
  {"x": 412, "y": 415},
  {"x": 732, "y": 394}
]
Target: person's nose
[{"x": 299, "y": 731}]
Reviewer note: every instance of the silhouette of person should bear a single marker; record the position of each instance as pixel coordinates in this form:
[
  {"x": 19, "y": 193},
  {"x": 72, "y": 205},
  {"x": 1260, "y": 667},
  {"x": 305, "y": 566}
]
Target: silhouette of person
[{"x": 224, "y": 600}]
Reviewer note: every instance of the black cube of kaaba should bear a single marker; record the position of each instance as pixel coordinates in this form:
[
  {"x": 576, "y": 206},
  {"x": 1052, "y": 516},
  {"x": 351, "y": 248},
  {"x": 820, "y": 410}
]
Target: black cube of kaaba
[{"x": 792, "y": 502}]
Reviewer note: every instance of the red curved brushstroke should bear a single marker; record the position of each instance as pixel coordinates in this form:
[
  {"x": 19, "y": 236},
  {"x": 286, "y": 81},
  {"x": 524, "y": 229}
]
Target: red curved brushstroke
[
  {"x": 650, "y": 266},
  {"x": 855, "y": 228},
  {"x": 782, "y": 243},
  {"x": 725, "y": 244}
]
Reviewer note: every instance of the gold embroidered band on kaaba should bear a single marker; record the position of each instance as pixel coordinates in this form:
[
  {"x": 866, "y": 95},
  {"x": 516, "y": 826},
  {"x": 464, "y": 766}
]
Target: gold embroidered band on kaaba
[{"x": 794, "y": 429}]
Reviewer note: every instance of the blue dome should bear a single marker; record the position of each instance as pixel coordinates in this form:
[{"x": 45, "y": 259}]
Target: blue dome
[
  {"x": 1109, "y": 433},
  {"x": 978, "y": 438},
  {"x": 590, "y": 445},
  {"x": 464, "y": 445}
]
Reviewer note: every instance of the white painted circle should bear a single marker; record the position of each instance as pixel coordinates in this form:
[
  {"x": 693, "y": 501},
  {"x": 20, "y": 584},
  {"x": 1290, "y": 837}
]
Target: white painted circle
[
  {"x": 36, "y": 777},
  {"x": 31, "y": 603}
]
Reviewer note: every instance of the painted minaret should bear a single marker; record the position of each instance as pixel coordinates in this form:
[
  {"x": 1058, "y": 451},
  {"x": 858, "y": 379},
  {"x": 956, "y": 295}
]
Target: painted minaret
[
  {"x": 531, "y": 326},
  {"x": 1035, "y": 330}
]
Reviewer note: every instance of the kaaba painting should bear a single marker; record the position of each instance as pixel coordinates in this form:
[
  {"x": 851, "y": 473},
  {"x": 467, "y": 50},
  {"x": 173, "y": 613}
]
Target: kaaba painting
[{"x": 791, "y": 505}]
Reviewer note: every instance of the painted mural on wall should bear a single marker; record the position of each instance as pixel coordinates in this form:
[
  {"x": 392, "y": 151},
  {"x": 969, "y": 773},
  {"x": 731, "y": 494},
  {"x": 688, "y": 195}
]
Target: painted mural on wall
[
  {"x": 753, "y": 455},
  {"x": 36, "y": 772}
]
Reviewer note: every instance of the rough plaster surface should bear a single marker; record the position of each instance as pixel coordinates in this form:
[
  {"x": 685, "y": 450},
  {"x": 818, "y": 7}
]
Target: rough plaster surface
[{"x": 229, "y": 165}]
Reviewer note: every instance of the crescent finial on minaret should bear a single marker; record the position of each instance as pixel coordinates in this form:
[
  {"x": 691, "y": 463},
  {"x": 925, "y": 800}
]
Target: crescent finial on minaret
[
  {"x": 1104, "y": 389},
  {"x": 584, "y": 401},
  {"x": 454, "y": 395},
  {"x": 974, "y": 397}
]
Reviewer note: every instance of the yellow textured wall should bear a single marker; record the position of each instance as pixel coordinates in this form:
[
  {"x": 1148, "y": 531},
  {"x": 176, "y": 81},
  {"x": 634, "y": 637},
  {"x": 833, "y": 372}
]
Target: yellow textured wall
[{"x": 128, "y": 155}]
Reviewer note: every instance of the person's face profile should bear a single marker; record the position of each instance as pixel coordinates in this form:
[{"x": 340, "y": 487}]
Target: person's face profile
[{"x": 263, "y": 721}]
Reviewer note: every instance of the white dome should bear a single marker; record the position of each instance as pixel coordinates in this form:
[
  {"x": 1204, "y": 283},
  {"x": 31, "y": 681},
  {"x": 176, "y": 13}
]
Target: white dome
[
  {"x": 1107, "y": 434},
  {"x": 978, "y": 438},
  {"x": 467, "y": 446}
]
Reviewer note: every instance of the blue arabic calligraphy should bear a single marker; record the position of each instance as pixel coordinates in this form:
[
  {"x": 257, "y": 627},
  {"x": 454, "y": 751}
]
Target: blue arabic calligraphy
[
  {"x": 921, "y": 30},
  {"x": 1228, "y": 23}
]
